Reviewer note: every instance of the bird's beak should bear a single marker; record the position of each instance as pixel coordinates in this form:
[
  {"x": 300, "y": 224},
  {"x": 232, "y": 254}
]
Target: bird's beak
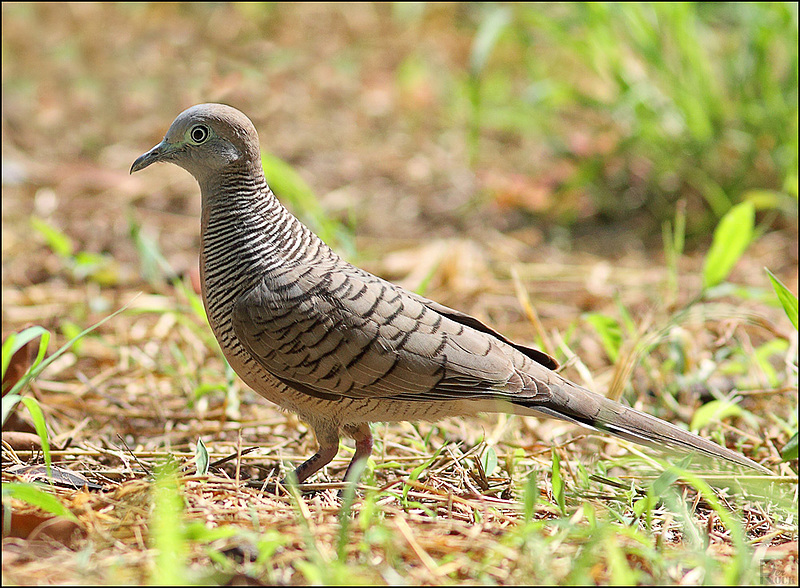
[{"x": 157, "y": 153}]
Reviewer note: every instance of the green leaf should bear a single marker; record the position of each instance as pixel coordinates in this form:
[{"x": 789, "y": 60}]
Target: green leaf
[
  {"x": 610, "y": 333},
  {"x": 9, "y": 402},
  {"x": 764, "y": 199},
  {"x": 644, "y": 506},
  {"x": 558, "y": 482},
  {"x": 415, "y": 473},
  {"x": 96, "y": 266},
  {"x": 530, "y": 497},
  {"x": 60, "y": 243},
  {"x": 674, "y": 242},
  {"x": 713, "y": 411},
  {"x": 731, "y": 238},
  {"x": 195, "y": 301},
  {"x": 489, "y": 461},
  {"x": 32, "y": 495},
  {"x": 345, "y": 518},
  {"x": 15, "y": 341},
  {"x": 70, "y": 330},
  {"x": 790, "y": 184},
  {"x": 167, "y": 528},
  {"x": 489, "y": 32},
  {"x": 201, "y": 458},
  {"x": 197, "y": 531},
  {"x": 789, "y": 450},
  {"x": 41, "y": 428},
  {"x": 763, "y": 355},
  {"x": 787, "y": 299},
  {"x": 662, "y": 484},
  {"x": 154, "y": 265}
]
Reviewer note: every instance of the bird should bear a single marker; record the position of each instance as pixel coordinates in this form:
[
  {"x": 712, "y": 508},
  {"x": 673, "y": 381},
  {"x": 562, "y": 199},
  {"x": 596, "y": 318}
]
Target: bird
[{"x": 343, "y": 348}]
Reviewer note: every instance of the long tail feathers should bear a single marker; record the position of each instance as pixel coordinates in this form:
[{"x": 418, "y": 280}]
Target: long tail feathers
[{"x": 579, "y": 405}]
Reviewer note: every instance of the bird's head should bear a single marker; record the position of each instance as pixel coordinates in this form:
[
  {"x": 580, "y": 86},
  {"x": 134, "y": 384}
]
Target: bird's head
[{"x": 206, "y": 140}]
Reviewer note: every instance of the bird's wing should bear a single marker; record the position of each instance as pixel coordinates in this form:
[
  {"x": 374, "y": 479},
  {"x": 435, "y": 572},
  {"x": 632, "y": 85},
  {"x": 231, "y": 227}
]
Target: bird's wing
[
  {"x": 342, "y": 332},
  {"x": 470, "y": 321}
]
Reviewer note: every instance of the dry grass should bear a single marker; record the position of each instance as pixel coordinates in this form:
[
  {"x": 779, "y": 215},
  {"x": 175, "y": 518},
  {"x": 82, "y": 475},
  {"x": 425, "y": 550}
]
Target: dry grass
[{"x": 559, "y": 506}]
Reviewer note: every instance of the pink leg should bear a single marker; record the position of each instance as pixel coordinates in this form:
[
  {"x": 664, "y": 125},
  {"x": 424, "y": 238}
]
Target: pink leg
[
  {"x": 363, "y": 438},
  {"x": 328, "y": 448}
]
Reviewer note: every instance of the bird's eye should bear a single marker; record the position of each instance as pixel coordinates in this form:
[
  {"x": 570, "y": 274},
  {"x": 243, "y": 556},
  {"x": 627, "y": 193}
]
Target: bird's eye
[{"x": 199, "y": 133}]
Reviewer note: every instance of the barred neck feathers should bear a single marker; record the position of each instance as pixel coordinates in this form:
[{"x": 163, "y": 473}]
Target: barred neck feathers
[{"x": 244, "y": 224}]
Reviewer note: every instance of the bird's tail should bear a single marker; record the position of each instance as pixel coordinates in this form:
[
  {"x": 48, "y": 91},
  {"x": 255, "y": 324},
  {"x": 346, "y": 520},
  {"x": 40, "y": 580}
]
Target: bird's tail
[{"x": 571, "y": 402}]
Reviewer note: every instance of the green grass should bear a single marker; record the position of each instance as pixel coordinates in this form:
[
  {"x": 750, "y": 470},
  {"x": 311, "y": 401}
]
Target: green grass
[{"x": 694, "y": 101}]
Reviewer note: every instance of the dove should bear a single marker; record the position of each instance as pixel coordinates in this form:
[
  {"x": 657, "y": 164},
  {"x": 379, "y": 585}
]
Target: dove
[{"x": 343, "y": 348}]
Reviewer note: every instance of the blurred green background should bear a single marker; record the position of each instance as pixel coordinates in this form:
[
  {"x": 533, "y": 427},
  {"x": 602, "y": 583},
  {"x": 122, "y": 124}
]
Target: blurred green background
[{"x": 413, "y": 120}]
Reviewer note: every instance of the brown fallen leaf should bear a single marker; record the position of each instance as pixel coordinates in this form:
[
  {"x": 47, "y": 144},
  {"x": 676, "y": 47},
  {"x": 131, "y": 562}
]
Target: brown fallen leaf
[
  {"x": 21, "y": 441},
  {"x": 31, "y": 526}
]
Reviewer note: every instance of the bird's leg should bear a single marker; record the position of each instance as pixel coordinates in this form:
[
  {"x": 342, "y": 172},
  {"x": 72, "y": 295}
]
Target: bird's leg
[
  {"x": 363, "y": 439},
  {"x": 328, "y": 448}
]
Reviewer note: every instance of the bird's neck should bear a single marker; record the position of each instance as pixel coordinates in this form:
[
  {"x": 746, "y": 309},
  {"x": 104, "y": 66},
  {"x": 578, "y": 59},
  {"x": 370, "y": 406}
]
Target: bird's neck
[
  {"x": 246, "y": 237},
  {"x": 244, "y": 226}
]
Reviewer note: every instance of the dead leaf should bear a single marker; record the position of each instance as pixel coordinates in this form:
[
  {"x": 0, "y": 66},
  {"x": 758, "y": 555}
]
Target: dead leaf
[
  {"x": 20, "y": 441},
  {"x": 32, "y": 526}
]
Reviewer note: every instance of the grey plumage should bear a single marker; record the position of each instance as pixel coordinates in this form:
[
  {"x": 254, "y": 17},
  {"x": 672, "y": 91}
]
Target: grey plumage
[{"x": 341, "y": 347}]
